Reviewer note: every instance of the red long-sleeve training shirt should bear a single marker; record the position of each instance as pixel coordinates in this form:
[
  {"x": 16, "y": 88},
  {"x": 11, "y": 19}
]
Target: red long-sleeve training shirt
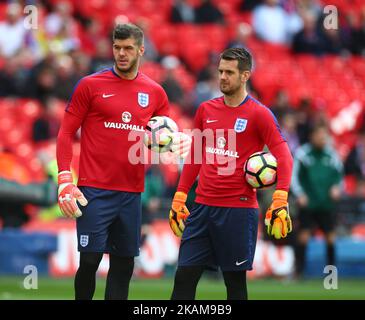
[
  {"x": 231, "y": 135},
  {"x": 112, "y": 113}
]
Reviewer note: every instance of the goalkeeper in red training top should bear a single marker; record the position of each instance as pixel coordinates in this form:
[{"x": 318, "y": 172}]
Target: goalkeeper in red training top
[
  {"x": 108, "y": 106},
  {"x": 221, "y": 230}
]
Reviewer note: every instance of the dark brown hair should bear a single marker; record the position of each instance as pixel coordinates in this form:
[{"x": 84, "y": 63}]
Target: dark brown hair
[
  {"x": 243, "y": 57},
  {"x": 126, "y": 31}
]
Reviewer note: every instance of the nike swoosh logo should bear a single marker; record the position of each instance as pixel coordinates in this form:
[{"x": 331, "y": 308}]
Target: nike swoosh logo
[
  {"x": 210, "y": 121},
  {"x": 239, "y": 263},
  {"x": 108, "y": 95}
]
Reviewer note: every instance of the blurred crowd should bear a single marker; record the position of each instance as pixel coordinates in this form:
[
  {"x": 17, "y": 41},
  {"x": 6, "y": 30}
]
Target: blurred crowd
[{"x": 183, "y": 39}]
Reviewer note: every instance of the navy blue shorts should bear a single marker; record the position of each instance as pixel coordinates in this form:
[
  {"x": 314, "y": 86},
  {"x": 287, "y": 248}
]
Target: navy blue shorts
[
  {"x": 219, "y": 237},
  {"x": 110, "y": 223}
]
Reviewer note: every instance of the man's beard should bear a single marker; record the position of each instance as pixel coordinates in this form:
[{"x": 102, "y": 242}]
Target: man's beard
[
  {"x": 131, "y": 68},
  {"x": 230, "y": 91}
]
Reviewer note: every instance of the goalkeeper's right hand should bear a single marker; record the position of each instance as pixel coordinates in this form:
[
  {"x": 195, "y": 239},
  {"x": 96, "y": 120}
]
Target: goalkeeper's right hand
[
  {"x": 178, "y": 213},
  {"x": 68, "y": 193}
]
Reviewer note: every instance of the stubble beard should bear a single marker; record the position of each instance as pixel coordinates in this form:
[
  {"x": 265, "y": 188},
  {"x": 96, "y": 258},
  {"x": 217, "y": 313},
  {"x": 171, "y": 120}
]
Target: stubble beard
[
  {"x": 230, "y": 91},
  {"x": 132, "y": 68}
]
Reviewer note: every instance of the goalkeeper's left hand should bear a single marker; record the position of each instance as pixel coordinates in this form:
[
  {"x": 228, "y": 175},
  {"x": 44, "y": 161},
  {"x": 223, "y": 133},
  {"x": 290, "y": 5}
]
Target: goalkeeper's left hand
[
  {"x": 181, "y": 144},
  {"x": 277, "y": 219},
  {"x": 178, "y": 213}
]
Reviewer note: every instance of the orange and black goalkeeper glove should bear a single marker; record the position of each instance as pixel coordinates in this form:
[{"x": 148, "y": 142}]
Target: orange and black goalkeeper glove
[
  {"x": 277, "y": 219},
  {"x": 178, "y": 213}
]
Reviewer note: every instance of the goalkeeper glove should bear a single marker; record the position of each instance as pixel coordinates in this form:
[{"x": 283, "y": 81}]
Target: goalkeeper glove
[
  {"x": 277, "y": 219},
  {"x": 181, "y": 144},
  {"x": 68, "y": 193},
  {"x": 178, "y": 213}
]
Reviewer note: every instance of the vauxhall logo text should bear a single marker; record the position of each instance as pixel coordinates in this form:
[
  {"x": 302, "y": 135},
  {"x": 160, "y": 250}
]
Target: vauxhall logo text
[
  {"x": 123, "y": 126},
  {"x": 126, "y": 118}
]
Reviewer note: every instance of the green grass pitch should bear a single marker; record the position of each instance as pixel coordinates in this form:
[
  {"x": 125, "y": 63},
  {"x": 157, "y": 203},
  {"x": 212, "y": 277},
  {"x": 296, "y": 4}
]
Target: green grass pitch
[{"x": 208, "y": 289}]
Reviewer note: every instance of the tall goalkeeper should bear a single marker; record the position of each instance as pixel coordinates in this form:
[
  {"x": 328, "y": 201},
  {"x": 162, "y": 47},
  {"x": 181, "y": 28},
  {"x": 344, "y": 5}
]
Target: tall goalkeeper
[
  {"x": 221, "y": 230},
  {"x": 108, "y": 106}
]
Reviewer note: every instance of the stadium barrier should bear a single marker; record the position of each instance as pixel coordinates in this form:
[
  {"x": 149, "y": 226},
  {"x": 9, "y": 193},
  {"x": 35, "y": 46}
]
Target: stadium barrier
[
  {"x": 52, "y": 247},
  {"x": 350, "y": 257},
  {"x": 158, "y": 254},
  {"x": 20, "y": 249}
]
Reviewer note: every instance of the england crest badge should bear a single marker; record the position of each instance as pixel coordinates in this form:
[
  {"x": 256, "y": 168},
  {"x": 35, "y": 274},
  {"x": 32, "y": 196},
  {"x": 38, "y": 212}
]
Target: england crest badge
[
  {"x": 84, "y": 240},
  {"x": 240, "y": 125},
  {"x": 143, "y": 99}
]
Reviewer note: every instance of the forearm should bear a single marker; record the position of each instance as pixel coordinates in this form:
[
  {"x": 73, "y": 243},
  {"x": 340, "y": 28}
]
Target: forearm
[
  {"x": 69, "y": 127},
  {"x": 285, "y": 166},
  {"x": 188, "y": 177},
  {"x": 191, "y": 167}
]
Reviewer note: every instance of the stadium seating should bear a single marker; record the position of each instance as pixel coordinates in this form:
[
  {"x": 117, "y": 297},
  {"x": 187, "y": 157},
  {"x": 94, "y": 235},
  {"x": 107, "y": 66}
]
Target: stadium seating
[{"x": 333, "y": 81}]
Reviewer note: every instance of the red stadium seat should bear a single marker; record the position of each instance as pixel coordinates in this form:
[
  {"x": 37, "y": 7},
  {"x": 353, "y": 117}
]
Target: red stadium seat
[
  {"x": 185, "y": 79},
  {"x": 164, "y": 38},
  {"x": 196, "y": 54},
  {"x": 3, "y": 7},
  {"x": 216, "y": 35},
  {"x": 153, "y": 70},
  {"x": 308, "y": 63},
  {"x": 276, "y": 51},
  {"x": 151, "y": 7},
  {"x": 121, "y": 6},
  {"x": 92, "y": 7},
  {"x": 189, "y": 32},
  {"x": 7, "y": 122}
]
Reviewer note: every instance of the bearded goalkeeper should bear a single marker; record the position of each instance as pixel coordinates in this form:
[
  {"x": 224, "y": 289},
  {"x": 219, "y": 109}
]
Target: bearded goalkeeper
[{"x": 221, "y": 230}]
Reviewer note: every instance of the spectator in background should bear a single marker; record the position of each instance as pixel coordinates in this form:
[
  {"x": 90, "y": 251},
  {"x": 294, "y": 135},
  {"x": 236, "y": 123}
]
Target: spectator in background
[
  {"x": 102, "y": 59},
  {"x": 12, "y": 79},
  {"x": 182, "y": 12},
  {"x": 81, "y": 64},
  {"x": 272, "y": 24},
  {"x": 61, "y": 30},
  {"x": 45, "y": 84},
  {"x": 360, "y": 34},
  {"x": 151, "y": 198},
  {"x": 243, "y": 33},
  {"x": 207, "y": 12},
  {"x": 314, "y": 7},
  {"x": 47, "y": 124},
  {"x": 210, "y": 68},
  {"x": 207, "y": 89},
  {"x": 309, "y": 40},
  {"x": 355, "y": 161},
  {"x": 65, "y": 77},
  {"x": 58, "y": 18},
  {"x": 151, "y": 53},
  {"x": 65, "y": 40},
  {"x": 170, "y": 84},
  {"x": 12, "y": 31},
  {"x": 48, "y": 62},
  {"x": 288, "y": 126},
  {"x": 281, "y": 105},
  {"x": 356, "y": 41},
  {"x": 333, "y": 41},
  {"x": 317, "y": 175},
  {"x": 304, "y": 119},
  {"x": 249, "y": 5}
]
